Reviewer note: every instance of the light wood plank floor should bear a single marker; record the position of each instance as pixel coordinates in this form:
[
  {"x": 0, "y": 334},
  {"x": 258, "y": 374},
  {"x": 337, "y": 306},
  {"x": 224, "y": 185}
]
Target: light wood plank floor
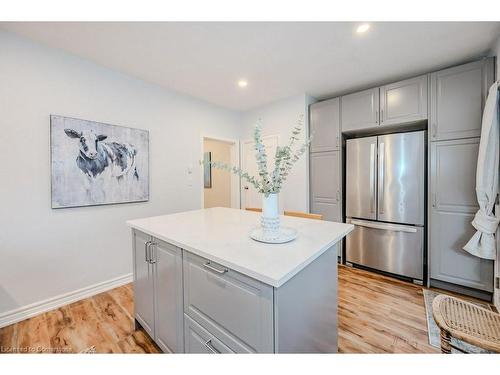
[
  {"x": 377, "y": 314},
  {"x": 100, "y": 324}
]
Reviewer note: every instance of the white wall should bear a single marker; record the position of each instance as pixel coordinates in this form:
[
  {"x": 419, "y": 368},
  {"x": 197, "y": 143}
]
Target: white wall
[
  {"x": 44, "y": 252},
  {"x": 279, "y": 118}
]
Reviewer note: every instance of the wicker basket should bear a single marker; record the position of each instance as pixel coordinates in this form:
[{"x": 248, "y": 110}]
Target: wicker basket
[{"x": 467, "y": 322}]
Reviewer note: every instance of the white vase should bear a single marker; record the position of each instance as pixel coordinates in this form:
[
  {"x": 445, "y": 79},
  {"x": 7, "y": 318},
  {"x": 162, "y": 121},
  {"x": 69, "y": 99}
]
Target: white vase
[{"x": 270, "y": 219}]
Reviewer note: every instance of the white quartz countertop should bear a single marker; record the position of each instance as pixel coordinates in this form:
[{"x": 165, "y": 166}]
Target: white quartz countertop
[{"x": 222, "y": 236}]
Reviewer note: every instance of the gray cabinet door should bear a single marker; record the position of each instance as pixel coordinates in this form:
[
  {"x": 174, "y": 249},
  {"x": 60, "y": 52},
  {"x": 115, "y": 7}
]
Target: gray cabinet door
[
  {"x": 325, "y": 125},
  {"x": 453, "y": 205},
  {"x": 143, "y": 284},
  {"x": 326, "y": 185},
  {"x": 169, "y": 330},
  {"x": 457, "y": 100},
  {"x": 360, "y": 110},
  {"x": 404, "y": 101}
]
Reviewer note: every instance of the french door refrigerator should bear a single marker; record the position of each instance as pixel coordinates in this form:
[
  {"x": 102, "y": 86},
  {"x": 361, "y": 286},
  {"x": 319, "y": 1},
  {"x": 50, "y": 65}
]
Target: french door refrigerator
[{"x": 385, "y": 198}]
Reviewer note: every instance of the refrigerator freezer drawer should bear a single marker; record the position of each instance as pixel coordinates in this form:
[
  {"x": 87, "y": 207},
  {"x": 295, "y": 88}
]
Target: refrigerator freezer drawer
[{"x": 393, "y": 248}]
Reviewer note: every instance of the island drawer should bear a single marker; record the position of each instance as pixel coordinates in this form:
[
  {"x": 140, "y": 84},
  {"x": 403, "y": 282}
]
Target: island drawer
[
  {"x": 228, "y": 303},
  {"x": 198, "y": 340}
]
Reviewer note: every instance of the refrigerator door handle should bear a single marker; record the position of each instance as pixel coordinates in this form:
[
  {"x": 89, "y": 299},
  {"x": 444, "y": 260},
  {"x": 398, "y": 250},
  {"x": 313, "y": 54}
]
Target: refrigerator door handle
[
  {"x": 381, "y": 172},
  {"x": 382, "y": 226},
  {"x": 372, "y": 177}
]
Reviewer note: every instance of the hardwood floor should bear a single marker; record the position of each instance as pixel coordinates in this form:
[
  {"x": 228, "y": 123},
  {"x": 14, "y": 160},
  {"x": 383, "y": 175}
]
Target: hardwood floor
[
  {"x": 100, "y": 324},
  {"x": 377, "y": 314}
]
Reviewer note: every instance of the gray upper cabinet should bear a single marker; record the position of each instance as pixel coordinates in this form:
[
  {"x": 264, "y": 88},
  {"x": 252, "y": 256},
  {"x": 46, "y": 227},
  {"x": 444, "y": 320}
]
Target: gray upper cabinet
[
  {"x": 169, "y": 332},
  {"x": 360, "y": 110},
  {"x": 325, "y": 125},
  {"x": 453, "y": 205},
  {"x": 404, "y": 101},
  {"x": 326, "y": 185},
  {"x": 457, "y": 100}
]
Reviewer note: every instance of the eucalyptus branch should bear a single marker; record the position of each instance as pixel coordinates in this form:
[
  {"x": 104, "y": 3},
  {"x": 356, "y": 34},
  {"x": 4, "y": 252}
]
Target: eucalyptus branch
[{"x": 284, "y": 159}]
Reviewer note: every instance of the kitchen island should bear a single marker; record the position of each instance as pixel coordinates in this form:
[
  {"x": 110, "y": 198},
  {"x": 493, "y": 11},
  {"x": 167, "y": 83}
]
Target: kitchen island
[{"x": 202, "y": 285}]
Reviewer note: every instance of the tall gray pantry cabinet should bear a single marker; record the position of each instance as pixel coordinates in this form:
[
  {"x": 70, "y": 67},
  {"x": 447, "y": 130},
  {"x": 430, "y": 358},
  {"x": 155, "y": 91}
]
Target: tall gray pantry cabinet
[
  {"x": 325, "y": 160},
  {"x": 457, "y": 100}
]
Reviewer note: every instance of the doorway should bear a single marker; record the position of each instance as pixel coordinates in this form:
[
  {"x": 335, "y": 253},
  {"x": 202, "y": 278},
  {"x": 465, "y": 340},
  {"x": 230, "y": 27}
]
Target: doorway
[
  {"x": 220, "y": 188},
  {"x": 250, "y": 197}
]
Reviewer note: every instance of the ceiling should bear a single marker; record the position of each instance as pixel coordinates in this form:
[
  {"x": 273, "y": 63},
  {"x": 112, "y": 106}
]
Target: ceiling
[{"x": 206, "y": 59}]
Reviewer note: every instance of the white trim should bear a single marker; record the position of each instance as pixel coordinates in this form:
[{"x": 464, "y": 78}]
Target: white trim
[
  {"x": 28, "y": 311},
  {"x": 235, "y": 160}
]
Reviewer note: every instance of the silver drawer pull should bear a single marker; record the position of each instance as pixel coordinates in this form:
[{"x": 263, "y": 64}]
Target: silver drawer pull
[
  {"x": 210, "y": 267},
  {"x": 210, "y": 347},
  {"x": 146, "y": 251},
  {"x": 152, "y": 256}
]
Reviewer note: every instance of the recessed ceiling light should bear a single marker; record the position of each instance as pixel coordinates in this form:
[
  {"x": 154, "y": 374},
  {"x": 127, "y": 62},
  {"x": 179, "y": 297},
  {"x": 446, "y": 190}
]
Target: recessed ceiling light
[
  {"x": 242, "y": 83},
  {"x": 363, "y": 28}
]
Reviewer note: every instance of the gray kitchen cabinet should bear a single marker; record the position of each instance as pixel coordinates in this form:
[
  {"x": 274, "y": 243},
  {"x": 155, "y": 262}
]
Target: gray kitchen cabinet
[
  {"x": 158, "y": 291},
  {"x": 167, "y": 261},
  {"x": 226, "y": 311},
  {"x": 325, "y": 125},
  {"x": 325, "y": 189},
  {"x": 223, "y": 300},
  {"x": 143, "y": 282},
  {"x": 453, "y": 205},
  {"x": 360, "y": 110},
  {"x": 198, "y": 340},
  {"x": 457, "y": 97},
  {"x": 404, "y": 101}
]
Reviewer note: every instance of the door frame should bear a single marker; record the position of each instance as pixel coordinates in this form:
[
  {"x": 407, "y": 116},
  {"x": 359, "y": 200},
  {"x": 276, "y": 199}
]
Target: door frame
[
  {"x": 242, "y": 149},
  {"x": 235, "y": 160}
]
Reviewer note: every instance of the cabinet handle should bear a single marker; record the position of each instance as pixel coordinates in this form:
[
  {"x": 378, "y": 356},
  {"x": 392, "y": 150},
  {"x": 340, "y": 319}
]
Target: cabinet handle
[
  {"x": 210, "y": 267},
  {"x": 434, "y": 130},
  {"x": 152, "y": 249},
  {"x": 210, "y": 347},
  {"x": 434, "y": 200},
  {"x": 381, "y": 176},
  {"x": 373, "y": 167},
  {"x": 381, "y": 116},
  {"x": 337, "y": 196},
  {"x": 146, "y": 251},
  {"x": 376, "y": 117},
  {"x": 337, "y": 141}
]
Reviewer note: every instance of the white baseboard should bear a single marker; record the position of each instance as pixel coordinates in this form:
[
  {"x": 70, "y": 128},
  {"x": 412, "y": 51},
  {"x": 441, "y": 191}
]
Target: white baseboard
[{"x": 28, "y": 311}]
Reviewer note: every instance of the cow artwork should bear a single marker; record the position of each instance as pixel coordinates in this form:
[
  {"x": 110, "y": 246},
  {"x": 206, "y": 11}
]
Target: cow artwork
[{"x": 95, "y": 163}]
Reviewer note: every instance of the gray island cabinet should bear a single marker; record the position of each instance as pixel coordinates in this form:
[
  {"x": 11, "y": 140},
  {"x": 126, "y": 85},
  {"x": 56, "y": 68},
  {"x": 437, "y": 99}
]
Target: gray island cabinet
[{"x": 201, "y": 285}]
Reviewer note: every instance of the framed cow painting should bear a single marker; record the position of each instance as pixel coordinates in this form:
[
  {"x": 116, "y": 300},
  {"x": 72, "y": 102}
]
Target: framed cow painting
[{"x": 95, "y": 163}]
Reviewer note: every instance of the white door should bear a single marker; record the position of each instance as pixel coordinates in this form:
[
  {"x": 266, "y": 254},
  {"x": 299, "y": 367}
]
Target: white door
[{"x": 249, "y": 195}]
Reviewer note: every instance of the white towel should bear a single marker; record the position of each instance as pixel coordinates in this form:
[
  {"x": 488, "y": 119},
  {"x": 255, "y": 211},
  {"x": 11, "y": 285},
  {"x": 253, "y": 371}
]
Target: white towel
[{"x": 482, "y": 244}]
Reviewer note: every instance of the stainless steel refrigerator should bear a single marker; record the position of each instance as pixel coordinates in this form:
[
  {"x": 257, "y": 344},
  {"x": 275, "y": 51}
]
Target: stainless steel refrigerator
[{"x": 385, "y": 198}]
